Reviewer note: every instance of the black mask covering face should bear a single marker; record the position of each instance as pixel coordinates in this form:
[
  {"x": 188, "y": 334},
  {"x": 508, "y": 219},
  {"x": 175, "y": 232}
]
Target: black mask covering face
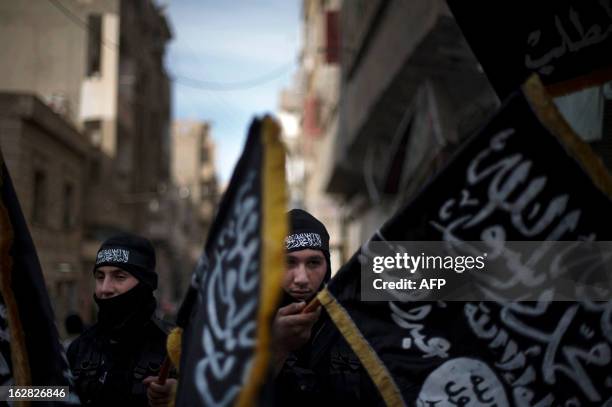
[{"x": 126, "y": 312}]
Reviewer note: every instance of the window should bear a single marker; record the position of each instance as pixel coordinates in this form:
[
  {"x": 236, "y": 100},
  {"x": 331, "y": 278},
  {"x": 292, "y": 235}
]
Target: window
[
  {"x": 312, "y": 116},
  {"x": 69, "y": 215},
  {"x": 40, "y": 197},
  {"x": 332, "y": 37},
  {"x": 94, "y": 44},
  {"x": 93, "y": 131},
  {"x": 95, "y": 171},
  {"x": 204, "y": 155},
  {"x": 205, "y": 190}
]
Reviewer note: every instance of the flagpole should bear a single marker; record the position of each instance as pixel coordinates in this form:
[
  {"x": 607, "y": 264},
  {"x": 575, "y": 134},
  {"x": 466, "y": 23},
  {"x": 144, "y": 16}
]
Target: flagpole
[
  {"x": 312, "y": 306},
  {"x": 164, "y": 371}
]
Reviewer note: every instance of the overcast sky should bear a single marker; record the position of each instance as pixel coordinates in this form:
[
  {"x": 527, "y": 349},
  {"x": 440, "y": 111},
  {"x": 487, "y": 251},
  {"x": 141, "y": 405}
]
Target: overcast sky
[{"x": 229, "y": 60}]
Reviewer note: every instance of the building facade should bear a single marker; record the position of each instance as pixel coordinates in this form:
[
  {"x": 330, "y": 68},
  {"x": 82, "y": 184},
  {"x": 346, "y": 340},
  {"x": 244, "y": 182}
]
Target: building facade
[
  {"x": 45, "y": 156},
  {"x": 390, "y": 89},
  {"x": 98, "y": 64},
  {"x": 312, "y": 103},
  {"x": 197, "y": 190}
]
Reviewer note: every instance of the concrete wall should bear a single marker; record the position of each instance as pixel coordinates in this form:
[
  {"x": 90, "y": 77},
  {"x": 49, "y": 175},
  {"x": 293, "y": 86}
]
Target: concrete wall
[
  {"x": 379, "y": 56},
  {"x": 43, "y": 51},
  {"x": 189, "y": 138},
  {"x": 127, "y": 172},
  {"x": 410, "y": 89},
  {"x": 311, "y": 153}
]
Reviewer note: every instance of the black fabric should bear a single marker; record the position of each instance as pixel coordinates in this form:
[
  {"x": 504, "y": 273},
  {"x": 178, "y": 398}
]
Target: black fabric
[
  {"x": 110, "y": 360},
  {"x": 45, "y": 354},
  {"x": 131, "y": 253},
  {"x": 302, "y": 222},
  {"x": 559, "y": 40},
  {"x": 74, "y": 324},
  {"x": 220, "y": 311},
  {"x": 121, "y": 314},
  {"x": 508, "y": 353},
  {"x": 324, "y": 372}
]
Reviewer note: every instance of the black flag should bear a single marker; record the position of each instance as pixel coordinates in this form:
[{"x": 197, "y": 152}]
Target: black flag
[
  {"x": 524, "y": 177},
  {"x": 227, "y": 314},
  {"x": 30, "y": 351},
  {"x": 566, "y": 42}
]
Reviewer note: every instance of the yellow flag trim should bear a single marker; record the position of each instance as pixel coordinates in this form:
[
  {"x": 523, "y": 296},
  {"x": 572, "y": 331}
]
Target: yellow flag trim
[
  {"x": 369, "y": 359},
  {"x": 273, "y": 232},
  {"x": 543, "y": 106},
  {"x": 19, "y": 354}
]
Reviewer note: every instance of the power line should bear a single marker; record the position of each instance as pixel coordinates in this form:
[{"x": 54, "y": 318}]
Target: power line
[
  {"x": 80, "y": 23},
  {"x": 237, "y": 85},
  {"x": 223, "y": 86},
  {"x": 181, "y": 79},
  {"x": 68, "y": 13},
  {"x": 230, "y": 113}
]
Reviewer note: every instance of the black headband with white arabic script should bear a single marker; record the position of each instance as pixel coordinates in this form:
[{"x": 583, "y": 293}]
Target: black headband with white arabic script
[
  {"x": 306, "y": 232},
  {"x": 301, "y": 241},
  {"x": 118, "y": 256},
  {"x": 131, "y": 253}
]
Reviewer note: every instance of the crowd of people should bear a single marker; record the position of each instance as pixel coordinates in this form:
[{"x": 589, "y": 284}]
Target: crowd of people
[{"x": 118, "y": 359}]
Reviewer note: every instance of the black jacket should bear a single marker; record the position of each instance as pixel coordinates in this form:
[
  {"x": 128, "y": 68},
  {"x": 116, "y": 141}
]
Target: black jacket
[
  {"x": 324, "y": 372},
  {"x": 109, "y": 365}
]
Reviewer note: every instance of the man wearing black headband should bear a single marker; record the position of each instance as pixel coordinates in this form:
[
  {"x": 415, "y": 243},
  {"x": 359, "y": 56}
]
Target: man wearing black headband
[
  {"x": 117, "y": 360},
  {"x": 314, "y": 364}
]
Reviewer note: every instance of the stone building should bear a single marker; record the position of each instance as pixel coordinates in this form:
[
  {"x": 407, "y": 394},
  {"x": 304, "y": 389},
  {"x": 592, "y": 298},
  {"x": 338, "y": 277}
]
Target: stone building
[
  {"x": 312, "y": 101},
  {"x": 194, "y": 175},
  {"x": 396, "y": 89},
  {"x": 45, "y": 156},
  {"x": 99, "y": 65}
]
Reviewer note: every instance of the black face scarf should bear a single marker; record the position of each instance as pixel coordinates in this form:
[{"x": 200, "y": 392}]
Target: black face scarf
[{"x": 123, "y": 314}]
